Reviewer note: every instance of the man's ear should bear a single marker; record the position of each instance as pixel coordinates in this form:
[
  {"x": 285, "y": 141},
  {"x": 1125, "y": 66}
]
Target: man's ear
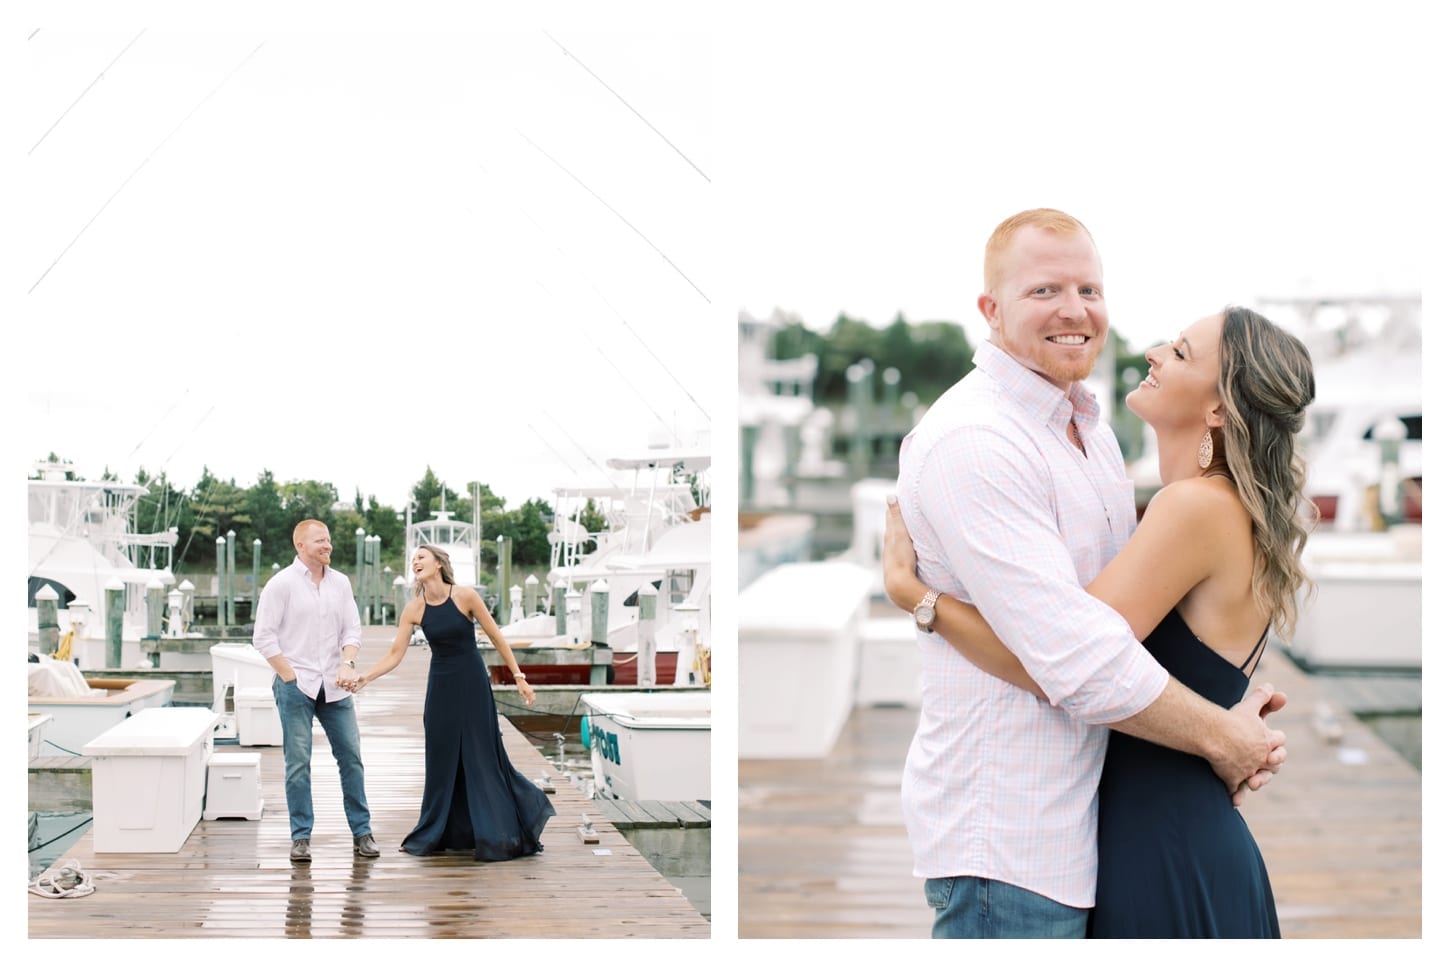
[{"x": 987, "y": 306}]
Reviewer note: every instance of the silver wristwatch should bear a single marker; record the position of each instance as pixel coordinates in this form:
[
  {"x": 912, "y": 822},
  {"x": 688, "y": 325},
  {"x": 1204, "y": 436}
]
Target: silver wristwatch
[{"x": 925, "y": 611}]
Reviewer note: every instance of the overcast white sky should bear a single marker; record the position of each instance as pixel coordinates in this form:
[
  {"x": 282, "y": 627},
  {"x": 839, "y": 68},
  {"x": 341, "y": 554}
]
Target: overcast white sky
[
  {"x": 1218, "y": 153},
  {"x": 349, "y": 256}
]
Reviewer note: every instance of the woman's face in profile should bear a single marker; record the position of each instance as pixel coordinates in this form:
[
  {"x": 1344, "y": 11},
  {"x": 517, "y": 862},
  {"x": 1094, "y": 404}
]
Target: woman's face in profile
[{"x": 1181, "y": 387}]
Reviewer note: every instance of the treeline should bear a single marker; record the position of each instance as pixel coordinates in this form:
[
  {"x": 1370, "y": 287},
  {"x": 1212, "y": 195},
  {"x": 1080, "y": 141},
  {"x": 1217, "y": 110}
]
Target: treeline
[
  {"x": 930, "y": 356},
  {"x": 269, "y": 509}
]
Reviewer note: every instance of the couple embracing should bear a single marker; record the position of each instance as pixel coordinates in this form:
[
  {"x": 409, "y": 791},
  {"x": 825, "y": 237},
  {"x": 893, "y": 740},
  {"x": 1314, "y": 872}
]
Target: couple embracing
[{"x": 1086, "y": 730}]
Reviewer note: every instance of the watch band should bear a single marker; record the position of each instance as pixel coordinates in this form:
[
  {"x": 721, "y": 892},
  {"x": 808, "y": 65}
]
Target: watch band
[{"x": 927, "y": 601}]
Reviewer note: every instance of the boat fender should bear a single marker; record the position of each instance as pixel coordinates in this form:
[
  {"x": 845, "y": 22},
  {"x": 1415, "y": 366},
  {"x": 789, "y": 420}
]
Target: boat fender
[{"x": 584, "y": 730}]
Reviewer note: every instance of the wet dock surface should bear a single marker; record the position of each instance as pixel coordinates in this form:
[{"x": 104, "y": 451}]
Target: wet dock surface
[
  {"x": 233, "y": 877},
  {"x": 824, "y": 853}
]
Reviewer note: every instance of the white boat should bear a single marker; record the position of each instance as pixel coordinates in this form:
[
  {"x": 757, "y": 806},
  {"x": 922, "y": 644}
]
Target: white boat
[
  {"x": 458, "y": 539},
  {"x": 39, "y": 724},
  {"x": 649, "y": 745},
  {"x": 1364, "y": 610},
  {"x": 81, "y": 709},
  {"x": 1362, "y": 397},
  {"x": 83, "y": 540},
  {"x": 657, "y": 535}
]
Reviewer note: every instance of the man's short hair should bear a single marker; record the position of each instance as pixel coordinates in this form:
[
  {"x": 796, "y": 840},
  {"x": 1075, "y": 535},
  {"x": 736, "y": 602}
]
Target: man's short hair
[
  {"x": 1048, "y": 219},
  {"x": 301, "y": 529}
]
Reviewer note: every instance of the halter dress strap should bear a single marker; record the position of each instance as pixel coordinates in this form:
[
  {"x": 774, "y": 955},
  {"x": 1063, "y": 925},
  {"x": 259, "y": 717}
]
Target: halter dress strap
[{"x": 1258, "y": 651}]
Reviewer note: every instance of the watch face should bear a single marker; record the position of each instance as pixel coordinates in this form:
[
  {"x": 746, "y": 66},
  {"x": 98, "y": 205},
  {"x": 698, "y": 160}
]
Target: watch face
[{"x": 925, "y": 613}]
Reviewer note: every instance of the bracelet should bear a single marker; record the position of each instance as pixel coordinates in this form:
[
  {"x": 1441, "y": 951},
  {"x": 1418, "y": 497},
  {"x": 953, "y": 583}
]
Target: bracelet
[{"x": 520, "y": 675}]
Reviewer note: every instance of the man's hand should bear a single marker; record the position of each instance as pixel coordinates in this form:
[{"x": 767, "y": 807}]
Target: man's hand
[
  {"x": 1260, "y": 778},
  {"x": 1253, "y": 752}
]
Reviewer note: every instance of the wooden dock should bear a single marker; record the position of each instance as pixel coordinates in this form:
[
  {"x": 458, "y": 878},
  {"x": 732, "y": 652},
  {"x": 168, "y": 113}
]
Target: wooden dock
[
  {"x": 824, "y": 853},
  {"x": 232, "y": 877}
]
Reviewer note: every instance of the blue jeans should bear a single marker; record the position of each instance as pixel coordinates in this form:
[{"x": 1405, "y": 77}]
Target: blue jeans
[
  {"x": 339, "y": 722},
  {"x": 971, "y": 907}
]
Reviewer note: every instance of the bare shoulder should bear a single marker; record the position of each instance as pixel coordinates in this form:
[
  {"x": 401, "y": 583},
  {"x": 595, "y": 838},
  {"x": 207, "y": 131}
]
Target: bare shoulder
[
  {"x": 1198, "y": 505},
  {"x": 412, "y": 611},
  {"x": 467, "y": 600}
]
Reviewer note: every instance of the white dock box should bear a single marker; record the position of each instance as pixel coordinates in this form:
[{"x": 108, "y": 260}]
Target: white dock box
[
  {"x": 890, "y": 663},
  {"x": 233, "y": 786},
  {"x": 799, "y": 630},
  {"x": 148, "y": 779},
  {"x": 239, "y": 665},
  {"x": 257, "y": 720}
]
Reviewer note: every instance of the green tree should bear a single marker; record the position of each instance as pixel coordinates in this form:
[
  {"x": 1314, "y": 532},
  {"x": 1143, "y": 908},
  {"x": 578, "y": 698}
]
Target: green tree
[
  {"x": 430, "y": 494},
  {"x": 929, "y": 356},
  {"x": 526, "y": 527},
  {"x": 387, "y": 525},
  {"x": 219, "y": 507},
  {"x": 270, "y": 522}
]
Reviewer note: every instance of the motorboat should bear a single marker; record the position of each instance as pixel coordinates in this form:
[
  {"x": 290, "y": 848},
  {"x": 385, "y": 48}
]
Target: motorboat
[
  {"x": 656, "y": 540},
  {"x": 80, "y": 709},
  {"x": 83, "y": 542},
  {"x": 649, "y": 745}
]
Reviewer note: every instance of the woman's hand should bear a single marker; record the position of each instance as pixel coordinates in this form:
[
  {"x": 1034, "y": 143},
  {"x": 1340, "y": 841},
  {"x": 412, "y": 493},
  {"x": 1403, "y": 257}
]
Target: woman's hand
[
  {"x": 898, "y": 561},
  {"x": 526, "y": 690}
]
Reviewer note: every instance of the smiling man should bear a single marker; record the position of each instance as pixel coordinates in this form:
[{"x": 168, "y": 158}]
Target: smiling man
[
  {"x": 308, "y": 629},
  {"x": 1016, "y": 496}
]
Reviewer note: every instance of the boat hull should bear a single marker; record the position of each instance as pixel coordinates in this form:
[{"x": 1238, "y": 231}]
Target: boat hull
[
  {"x": 650, "y": 745},
  {"x": 77, "y": 720},
  {"x": 623, "y": 670}
]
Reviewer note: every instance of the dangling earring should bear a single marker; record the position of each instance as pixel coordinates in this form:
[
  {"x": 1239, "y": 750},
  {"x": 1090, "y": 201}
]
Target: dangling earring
[{"x": 1205, "y": 450}]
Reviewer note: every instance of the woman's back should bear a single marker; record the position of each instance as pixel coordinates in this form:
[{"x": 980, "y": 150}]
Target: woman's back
[{"x": 1175, "y": 858}]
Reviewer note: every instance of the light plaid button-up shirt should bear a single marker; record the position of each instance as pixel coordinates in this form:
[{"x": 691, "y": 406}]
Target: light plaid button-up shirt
[
  {"x": 310, "y": 624},
  {"x": 1007, "y": 514}
]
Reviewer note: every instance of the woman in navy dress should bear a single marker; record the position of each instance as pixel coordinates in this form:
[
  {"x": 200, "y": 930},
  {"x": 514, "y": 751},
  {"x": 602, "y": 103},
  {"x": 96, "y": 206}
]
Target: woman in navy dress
[
  {"x": 473, "y": 797},
  {"x": 1212, "y": 567}
]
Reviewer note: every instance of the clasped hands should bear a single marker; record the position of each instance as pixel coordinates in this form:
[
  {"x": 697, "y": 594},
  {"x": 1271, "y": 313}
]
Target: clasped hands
[
  {"x": 1256, "y": 707},
  {"x": 349, "y": 679}
]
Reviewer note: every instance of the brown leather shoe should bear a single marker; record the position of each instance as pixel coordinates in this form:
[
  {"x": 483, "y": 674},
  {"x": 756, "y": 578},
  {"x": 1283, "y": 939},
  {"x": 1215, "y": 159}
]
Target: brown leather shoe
[
  {"x": 301, "y": 851},
  {"x": 365, "y": 846}
]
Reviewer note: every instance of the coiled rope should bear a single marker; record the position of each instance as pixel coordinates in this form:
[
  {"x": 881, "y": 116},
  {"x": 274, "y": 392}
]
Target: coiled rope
[{"x": 63, "y": 882}]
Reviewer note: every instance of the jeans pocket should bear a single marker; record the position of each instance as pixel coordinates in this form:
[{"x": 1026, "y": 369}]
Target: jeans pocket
[{"x": 939, "y": 892}]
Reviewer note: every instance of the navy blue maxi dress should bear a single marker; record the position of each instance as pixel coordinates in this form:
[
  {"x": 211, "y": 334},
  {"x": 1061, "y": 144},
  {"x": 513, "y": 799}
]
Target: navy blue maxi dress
[
  {"x": 473, "y": 797},
  {"x": 1175, "y": 858}
]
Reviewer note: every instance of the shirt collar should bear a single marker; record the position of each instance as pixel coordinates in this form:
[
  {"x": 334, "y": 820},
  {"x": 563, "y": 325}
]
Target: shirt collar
[
  {"x": 1033, "y": 392},
  {"x": 297, "y": 565}
]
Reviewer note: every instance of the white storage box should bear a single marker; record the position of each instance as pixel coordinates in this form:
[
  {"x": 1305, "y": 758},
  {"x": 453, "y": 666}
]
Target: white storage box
[
  {"x": 233, "y": 786},
  {"x": 257, "y": 720},
  {"x": 890, "y": 663},
  {"x": 148, "y": 779},
  {"x": 798, "y": 628},
  {"x": 238, "y": 665}
]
